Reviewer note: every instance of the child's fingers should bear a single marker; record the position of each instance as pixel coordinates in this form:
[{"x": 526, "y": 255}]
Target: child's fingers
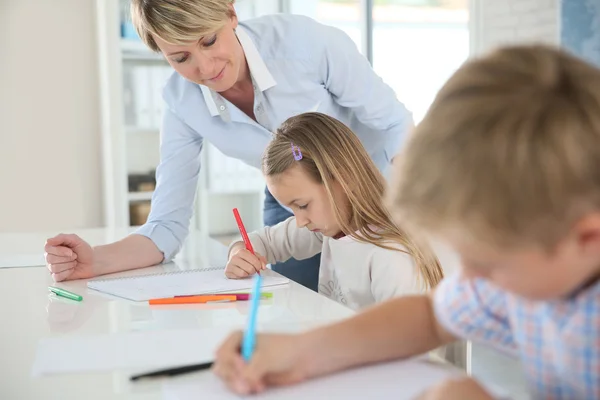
[
  {"x": 230, "y": 346},
  {"x": 263, "y": 260},
  {"x": 232, "y": 271},
  {"x": 254, "y": 373},
  {"x": 227, "y": 365},
  {"x": 249, "y": 268},
  {"x": 228, "y": 370},
  {"x": 251, "y": 263}
]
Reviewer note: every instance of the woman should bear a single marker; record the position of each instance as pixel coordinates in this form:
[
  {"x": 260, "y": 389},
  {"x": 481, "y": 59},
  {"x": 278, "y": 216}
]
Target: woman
[{"x": 235, "y": 84}]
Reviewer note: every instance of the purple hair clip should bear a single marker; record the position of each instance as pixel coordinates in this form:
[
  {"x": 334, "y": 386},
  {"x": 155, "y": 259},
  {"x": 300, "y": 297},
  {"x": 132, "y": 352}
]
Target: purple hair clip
[{"x": 297, "y": 156}]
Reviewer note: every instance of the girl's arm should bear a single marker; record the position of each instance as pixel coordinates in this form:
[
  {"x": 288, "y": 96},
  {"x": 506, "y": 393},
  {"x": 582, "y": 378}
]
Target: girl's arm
[{"x": 279, "y": 243}]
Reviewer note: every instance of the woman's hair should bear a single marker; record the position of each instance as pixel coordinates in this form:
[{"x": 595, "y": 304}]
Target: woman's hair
[
  {"x": 178, "y": 21},
  {"x": 331, "y": 152}
]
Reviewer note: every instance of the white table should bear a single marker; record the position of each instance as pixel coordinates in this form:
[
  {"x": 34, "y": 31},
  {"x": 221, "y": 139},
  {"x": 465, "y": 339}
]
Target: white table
[{"x": 29, "y": 314}]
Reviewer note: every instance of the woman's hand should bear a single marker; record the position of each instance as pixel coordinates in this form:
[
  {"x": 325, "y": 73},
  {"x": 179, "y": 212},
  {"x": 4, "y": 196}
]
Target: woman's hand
[
  {"x": 69, "y": 257},
  {"x": 242, "y": 263},
  {"x": 277, "y": 360}
]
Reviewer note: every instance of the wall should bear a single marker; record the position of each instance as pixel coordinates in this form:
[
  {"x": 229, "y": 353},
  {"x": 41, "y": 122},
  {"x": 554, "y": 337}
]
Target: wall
[
  {"x": 50, "y": 165},
  {"x": 501, "y": 22}
]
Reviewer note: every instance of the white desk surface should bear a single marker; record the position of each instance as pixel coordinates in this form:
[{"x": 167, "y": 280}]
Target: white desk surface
[{"x": 29, "y": 314}]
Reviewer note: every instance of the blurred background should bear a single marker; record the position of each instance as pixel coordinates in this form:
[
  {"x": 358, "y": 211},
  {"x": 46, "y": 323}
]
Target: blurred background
[
  {"x": 80, "y": 103},
  {"x": 80, "y": 96}
]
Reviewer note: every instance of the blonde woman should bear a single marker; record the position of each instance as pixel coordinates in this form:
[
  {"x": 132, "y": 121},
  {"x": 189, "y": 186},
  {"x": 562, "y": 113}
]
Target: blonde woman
[
  {"x": 317, "y": 166},
  {"x": 235, "y": 83}
]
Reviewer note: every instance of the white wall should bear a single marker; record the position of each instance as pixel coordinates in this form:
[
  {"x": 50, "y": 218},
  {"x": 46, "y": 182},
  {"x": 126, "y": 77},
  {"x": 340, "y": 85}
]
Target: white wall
[
  {"x": 500, "y": 22},
  {"x": 50, "y": 160}
]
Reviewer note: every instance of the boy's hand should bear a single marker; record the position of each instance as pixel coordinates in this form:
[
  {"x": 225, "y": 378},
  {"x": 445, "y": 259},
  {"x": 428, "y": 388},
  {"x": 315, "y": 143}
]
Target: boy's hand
[
  {"x": 277, "y": 360},
  {"x": 242, "y": 263},
  {"x": 456, "y": 389}
]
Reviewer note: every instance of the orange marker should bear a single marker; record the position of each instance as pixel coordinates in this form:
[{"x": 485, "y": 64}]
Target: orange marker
[{"x": 192, "y": 299}]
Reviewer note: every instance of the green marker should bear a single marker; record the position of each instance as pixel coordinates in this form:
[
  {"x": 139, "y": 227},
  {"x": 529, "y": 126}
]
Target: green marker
[{"x": 64, "y": 293}]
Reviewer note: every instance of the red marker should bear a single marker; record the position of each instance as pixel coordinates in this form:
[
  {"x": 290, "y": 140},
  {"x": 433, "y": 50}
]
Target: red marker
[{"x": 243, "y": 232}]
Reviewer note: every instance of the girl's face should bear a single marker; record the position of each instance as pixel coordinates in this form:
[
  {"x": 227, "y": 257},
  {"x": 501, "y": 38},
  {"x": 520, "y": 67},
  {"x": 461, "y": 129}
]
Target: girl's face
[
  {"x": 308, "y": 200},
  {"x": 215, "y": 61}
]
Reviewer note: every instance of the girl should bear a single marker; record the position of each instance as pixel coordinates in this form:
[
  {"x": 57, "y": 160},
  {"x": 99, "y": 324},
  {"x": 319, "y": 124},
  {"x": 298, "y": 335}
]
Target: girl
[{"x": 316, "y": 166}]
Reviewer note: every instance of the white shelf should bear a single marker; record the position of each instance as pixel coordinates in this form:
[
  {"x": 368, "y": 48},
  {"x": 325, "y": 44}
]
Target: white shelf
[
  {"x": 133, "y": 130},
  {"x": 126, "y": 147},
  {"x": 135, "y": 50},
  {"x": 139, "y": 196}
]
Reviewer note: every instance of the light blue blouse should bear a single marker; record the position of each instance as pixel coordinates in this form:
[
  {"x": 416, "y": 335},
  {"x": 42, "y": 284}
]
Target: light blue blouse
[{"x": 297, "y": 65}]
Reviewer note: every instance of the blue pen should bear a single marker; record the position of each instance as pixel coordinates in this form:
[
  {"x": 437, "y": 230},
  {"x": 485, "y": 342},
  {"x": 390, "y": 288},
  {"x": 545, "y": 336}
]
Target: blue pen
[{"x": 250, "y": 334}]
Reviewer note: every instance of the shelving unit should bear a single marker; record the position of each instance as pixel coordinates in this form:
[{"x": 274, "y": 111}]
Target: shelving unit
[
  {"x": 139, "y": 196},
  {"x": 130, "y": 74}
]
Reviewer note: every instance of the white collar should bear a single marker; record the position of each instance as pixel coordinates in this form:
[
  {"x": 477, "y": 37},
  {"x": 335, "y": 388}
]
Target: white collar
[{"x": 258, "y": 70}]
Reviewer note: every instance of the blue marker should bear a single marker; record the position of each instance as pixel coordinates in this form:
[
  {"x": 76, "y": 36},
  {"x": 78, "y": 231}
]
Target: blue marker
[{"x": 250, "y": 334}]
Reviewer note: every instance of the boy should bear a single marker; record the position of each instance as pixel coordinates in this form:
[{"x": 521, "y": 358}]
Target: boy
[{"x": 505, "y": 167}]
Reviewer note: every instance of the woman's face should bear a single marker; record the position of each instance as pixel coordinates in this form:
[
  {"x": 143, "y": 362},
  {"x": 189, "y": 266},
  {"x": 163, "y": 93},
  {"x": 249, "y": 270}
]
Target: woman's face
[{"x": 214, "y": 61}]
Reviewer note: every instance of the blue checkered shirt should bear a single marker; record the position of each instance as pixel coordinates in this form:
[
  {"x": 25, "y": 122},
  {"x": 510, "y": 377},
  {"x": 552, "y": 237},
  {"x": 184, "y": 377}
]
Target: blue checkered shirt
[{"x": 558, "y": 342}]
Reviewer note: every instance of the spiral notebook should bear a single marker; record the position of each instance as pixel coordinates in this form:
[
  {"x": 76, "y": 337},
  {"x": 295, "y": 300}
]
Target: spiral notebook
[{"x": 178, "y": 283}]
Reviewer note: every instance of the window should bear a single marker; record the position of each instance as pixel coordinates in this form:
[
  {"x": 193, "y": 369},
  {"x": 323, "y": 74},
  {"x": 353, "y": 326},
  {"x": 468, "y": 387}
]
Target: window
[
  {"x": 343, "y": 14},
  {"x": 247, "y": 9},
  {"x": 417, "y": 45}
]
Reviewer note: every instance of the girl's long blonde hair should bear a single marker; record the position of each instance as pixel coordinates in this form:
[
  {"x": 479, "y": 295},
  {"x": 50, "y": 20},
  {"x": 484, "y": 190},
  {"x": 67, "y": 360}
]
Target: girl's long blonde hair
[{"x": 331, "y": 152}]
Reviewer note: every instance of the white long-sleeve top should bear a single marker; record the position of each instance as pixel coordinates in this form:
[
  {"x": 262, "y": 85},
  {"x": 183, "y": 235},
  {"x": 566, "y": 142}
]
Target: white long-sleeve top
[{"x": 352, "y": 273}]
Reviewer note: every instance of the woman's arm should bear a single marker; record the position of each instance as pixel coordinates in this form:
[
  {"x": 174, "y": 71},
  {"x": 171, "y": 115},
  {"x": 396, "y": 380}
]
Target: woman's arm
[
  {"x": 134, "y": 251},
  {"x": 70, "y": 257},
  {"x": 177, "y": 181},
  {"x": 349, "y": 77}
]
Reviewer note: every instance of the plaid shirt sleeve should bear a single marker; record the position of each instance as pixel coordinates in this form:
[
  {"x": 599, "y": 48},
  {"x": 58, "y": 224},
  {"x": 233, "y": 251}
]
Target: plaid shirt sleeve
[{"x": 474, "y": 310}]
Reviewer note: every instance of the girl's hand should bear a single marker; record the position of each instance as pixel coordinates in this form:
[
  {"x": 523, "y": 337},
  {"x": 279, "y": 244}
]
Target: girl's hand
[{"x": 242, "y": 263}]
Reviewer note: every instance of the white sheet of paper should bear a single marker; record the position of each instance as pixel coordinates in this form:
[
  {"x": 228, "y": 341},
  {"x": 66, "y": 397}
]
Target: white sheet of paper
[
  {"x": 178, "y": 283},
  {"x": 144, "y": 350},
  {"x": 136, "y": 350},
  {"x": 22, "y": 260},
  {"x": 396, "y": 380}
]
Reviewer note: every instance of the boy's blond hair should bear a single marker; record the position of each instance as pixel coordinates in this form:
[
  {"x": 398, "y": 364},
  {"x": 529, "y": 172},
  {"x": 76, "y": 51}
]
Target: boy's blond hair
[
  {"x": 508, "y": 153},
  {"x": 331, "y": 152},
  {"x": 178, "y": 21}
]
